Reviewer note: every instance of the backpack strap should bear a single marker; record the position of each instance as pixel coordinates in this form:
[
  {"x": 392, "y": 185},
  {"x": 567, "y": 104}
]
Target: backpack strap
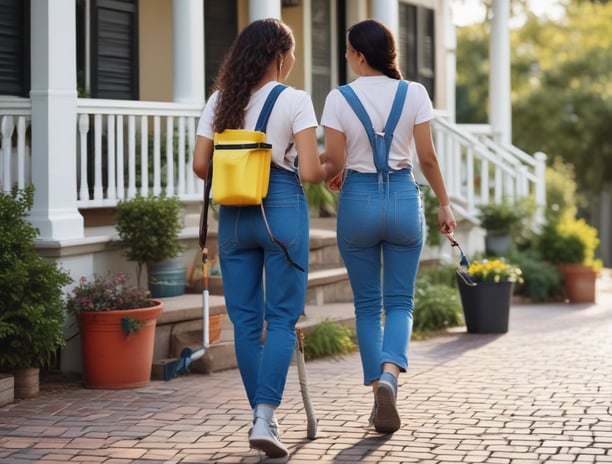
[
  {"x": 262, "y": 121},
  {"x": 380, "y": 142}
]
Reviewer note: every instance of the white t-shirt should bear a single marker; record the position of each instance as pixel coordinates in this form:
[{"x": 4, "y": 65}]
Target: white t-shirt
[
  {"x": 376, "y": 94},
  {"x": 292, "y": 113}
]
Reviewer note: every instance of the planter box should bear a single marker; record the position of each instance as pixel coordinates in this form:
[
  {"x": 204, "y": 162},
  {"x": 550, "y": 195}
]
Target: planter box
[{"x": 7, "y": 389}]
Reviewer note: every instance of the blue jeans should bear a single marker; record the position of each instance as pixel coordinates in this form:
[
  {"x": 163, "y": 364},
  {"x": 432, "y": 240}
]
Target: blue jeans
[
  {"x": 246, "y": 253},
  {"x": 380, "y": 236}
]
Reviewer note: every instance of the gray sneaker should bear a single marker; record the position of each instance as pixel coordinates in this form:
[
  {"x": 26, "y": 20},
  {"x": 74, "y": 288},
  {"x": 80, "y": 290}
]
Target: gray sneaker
[
  {"x": 386, "y": 418},
  {"x": 264, "y": 436}
]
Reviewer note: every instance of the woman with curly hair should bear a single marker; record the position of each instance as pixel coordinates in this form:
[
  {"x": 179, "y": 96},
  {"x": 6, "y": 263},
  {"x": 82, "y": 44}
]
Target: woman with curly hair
[{"x": 261, "y": 57}]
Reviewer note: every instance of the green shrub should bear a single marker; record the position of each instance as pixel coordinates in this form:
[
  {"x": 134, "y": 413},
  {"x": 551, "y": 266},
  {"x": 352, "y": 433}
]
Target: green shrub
[
  {"x": 430, "y": 207},
  {"x": 328, "y": 338},
  {"x": 541, "y": 280},
  {"x": 31, "y": 290},
  {"x": 560, "y": 191},
  {"x": 569, "y": 241},
  {"x": 149, "y": 229},
  {"x": 442, "y": 274},
  {"x": 436, "y": 307},
  {"x": 502, "y": 218},
  {"x": 320, "y": 198}
]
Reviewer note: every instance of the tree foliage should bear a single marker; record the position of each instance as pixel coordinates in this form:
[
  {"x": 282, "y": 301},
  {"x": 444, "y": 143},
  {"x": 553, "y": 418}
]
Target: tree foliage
[{"x": 561, "y": 87}]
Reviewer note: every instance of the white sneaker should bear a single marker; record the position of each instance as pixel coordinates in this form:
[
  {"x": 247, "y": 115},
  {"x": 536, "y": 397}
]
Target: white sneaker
[{"x": 265, "y": 437}]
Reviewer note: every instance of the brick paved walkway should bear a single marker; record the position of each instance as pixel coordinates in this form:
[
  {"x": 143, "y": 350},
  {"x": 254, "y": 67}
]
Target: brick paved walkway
[{"x": 540, "y": 393}]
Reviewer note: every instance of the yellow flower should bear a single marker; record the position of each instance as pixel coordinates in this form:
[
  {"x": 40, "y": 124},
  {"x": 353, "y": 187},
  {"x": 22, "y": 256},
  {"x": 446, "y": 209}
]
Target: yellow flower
[{"x": 494, "y": 270}]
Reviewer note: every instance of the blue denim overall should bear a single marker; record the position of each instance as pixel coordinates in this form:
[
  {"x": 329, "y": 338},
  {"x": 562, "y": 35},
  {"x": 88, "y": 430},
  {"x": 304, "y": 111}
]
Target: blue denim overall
[{"x": 380, "y": 236}]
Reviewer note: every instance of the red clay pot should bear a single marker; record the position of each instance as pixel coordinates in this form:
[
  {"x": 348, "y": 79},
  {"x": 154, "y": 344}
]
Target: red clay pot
[
  {"x": 579, "y": 282},
  {"x": 112, "y": 359}
]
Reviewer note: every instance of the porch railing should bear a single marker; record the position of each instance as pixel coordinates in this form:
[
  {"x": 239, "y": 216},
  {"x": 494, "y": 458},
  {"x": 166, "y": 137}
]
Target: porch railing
[
  {"x": 15, "y": 162},
  {"x": 125, "y": 148},
  {"x": 478, "y": 170}
]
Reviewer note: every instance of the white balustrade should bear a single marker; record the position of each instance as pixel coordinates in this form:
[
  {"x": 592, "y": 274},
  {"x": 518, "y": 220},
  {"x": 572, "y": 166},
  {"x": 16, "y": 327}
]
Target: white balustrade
[{"x": 128, "y": 148}]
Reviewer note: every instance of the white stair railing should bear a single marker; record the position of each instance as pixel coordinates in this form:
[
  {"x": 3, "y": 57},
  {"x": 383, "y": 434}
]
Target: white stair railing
[{"x": 478, "y": 170}]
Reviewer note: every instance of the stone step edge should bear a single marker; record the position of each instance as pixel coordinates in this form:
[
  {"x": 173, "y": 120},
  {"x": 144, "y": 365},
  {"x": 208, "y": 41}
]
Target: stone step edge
[{"x": 190, "y": 305}]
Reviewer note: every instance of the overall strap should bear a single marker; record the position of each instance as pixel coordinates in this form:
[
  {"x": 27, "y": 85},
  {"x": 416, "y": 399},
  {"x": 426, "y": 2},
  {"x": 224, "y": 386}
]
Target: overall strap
[
  {"x": 380, "y": 142},
  {"x": 353, "y": 100},
  {"x": 262, "y": 121},
  {"x": 396, "y": 111}
]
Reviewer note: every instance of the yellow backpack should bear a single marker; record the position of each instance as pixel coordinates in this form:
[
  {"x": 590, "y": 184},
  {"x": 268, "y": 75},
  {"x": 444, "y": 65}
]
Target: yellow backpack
[{"x": 241, "y": 161}]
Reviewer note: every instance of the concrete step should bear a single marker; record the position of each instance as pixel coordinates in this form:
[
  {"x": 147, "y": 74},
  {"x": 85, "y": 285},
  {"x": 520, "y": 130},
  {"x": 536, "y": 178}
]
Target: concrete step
[
  {"x": 180, "y": 326},
  {"x": 328, "y": 296}
]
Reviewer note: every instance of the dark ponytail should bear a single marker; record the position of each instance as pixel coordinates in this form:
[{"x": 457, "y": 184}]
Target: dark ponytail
[{"x": 375, "y": 41}]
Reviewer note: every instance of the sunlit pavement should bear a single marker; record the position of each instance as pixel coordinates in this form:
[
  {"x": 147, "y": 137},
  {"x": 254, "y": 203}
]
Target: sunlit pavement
[{"x": 540, "y": 393}]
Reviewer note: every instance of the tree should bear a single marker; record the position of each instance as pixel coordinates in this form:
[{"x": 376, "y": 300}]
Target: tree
[{"x": 560, "y": 88}]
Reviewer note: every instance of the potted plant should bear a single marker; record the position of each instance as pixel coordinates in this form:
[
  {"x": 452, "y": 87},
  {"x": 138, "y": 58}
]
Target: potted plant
[
  {"x": 31, "y": 296},
  {"x": 149, "y": 230},
  {"x": 570, "y": 244},
  {"x": 501, "y": 220},
  {"x": 486, "y": 299},
  {"x": 117, "y": 325}
]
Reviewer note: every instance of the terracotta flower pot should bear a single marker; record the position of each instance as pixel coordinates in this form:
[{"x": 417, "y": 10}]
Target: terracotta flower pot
[
  {"x": 579, "y": 282},
  {"x": 26, "y": 382},
  {"x": 112, "y": 358}
]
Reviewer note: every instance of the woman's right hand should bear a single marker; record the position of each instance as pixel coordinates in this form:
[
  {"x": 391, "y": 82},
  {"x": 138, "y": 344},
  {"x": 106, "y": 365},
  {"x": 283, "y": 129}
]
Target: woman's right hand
[{"x": 335, "y": 183}]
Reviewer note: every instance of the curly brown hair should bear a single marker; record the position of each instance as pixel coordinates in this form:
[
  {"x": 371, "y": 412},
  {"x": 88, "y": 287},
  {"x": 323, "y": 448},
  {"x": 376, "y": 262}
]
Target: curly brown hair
[
  {"x": 243, "y": 67},
  {"x": 376, "y": 42}
]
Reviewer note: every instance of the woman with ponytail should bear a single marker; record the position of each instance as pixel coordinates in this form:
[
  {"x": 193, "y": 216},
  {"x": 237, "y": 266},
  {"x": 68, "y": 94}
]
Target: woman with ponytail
[{"x": 380, "y": 214}]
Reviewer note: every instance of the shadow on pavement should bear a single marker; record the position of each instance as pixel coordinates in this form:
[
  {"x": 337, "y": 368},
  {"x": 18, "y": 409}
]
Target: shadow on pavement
[{"x": 362, "y": 449}]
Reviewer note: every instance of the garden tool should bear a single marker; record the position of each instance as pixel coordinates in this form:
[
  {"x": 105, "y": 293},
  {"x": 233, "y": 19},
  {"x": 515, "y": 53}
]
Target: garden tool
[
  {"x": 188, "y": 355},
  {"x": 464, "y": 263},
  {"x": 181, "y": 365},
  {"x": 311, "y": 427}
]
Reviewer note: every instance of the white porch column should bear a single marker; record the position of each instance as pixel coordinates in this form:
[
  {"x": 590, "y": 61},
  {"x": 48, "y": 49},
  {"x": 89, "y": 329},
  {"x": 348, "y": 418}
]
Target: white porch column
[
  {"x": 448, "y": 63},
  {"x": 54, "y": 105},
  {"x": 386, "y": 11},
  {"x": 261, "y": 9},
  {"x": 500, "y": 106},
  {"x": 188, "y": 51}
]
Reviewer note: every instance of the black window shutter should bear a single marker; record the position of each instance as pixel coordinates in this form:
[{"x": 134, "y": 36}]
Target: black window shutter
[
  {"x": 416, "y": 41},
  {"x": 15, "y": 47},
  {"x": 220, "y": 30},
  {"x": 114, "y": 55},
  {"x": 321, "y": 53}
]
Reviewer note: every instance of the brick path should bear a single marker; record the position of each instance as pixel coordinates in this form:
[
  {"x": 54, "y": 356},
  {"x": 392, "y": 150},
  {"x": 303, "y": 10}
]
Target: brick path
[{"x": 540, "y": 393}]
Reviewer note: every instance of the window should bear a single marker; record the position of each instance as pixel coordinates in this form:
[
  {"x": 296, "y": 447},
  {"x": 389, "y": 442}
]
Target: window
[
  {"x": 322, "y": 44},
  {"x": 15, "y": 47},
  {"x": 220, "y": 30},
  {"x": 417, "y": 45},
  {"x": 114, "y": 49}
]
